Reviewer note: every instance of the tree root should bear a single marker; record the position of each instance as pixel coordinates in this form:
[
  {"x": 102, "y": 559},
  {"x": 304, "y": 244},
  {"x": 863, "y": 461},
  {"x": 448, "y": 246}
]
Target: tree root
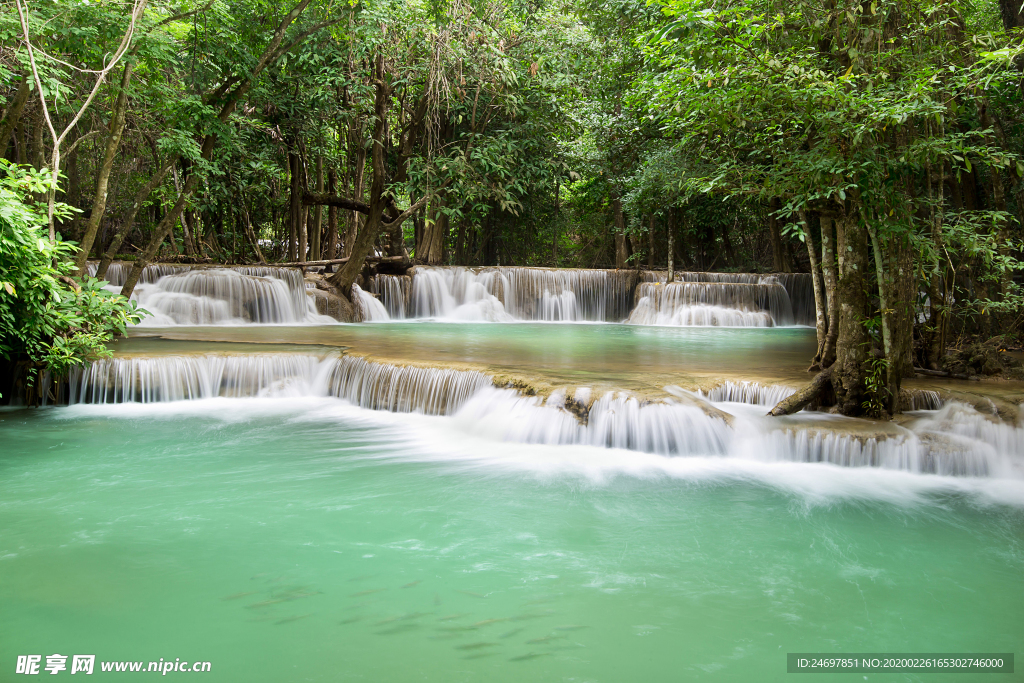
[{"x": 797, "y": 401}]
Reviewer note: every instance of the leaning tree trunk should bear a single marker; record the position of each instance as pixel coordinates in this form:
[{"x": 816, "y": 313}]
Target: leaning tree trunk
[
  {"x": 129, "y": 222},
  {"x": 12, "y": 115},
  {"x": 99, "y": 202},
  {"x": 363, "y": 244},
  {"x": 827, "y": 352},
  {"x": 820, "y": 319},
  {"x": 270, "y": 54}
]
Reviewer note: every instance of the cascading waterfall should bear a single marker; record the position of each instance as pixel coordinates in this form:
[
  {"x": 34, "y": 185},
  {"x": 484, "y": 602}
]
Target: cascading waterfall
[
  {"x": 956, "y": 440},
  {"x": 181, "y": 295},
  {"x": 403, "y": 389},
  {"x": 504, "y": 294},
  {"x": 160, "y": 379},
  {"x": 393, "y": 291},
  {"x": 117, "y": 272},
  {"x": 375, "y": 386},
  {"x": 564, "y": 295},
  {"x": 188, "y": 295},
  {"x": 907, "y": 452},
  {"x": 799, "y": 287},
  {"x": 730, "y": 304},
  {"x": 753, "y": 393},
  {"x": 370, "y": 309},
  {"x": 614, "y": 421},
  {"x": 459, "y": 294},
  {"x": 921, "y": 399}
]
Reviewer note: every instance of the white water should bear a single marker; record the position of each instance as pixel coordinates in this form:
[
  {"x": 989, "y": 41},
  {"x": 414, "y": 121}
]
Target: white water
[
  {"x": 722, "y": 304},
  {"x": 753, "y": 393},
  {"x": 186, "y": 295},
  {"x": 956, "y": 440},
  {"x": 504, "y": 294},
  {"x": 180, "y": 295},
  {"x": 370, "y": 309}
]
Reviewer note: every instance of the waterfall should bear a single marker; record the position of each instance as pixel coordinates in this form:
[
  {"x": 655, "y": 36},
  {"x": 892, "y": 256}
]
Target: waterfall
[
  {"x": 568, "y": 295},
  {"x": 956, "y": 440},
  {"x": 403, "y": 389},
  {"x": 184, "y": 378},
  {"x": 799, "y": 287},
  {"x": 370, "y": 309},
  {"x": 730, "y": 304},
  {"x": 190, "y": 295},
  {"x": 908, "y": 453},
  {"x": 484, "y": 294},
  {"x": 117, "y": 271},
  {"x": 503, "y": 294},
  {"x": 376, "y": 386},
  {"x": 614, "y": 421},
  {"x": 753, "y": 393},
  {"x": 234, "y": 296},
  {"x": 393, "y": 291},
  {"x": 458, "y": 294},
  {"x": 921, "y": 399}
]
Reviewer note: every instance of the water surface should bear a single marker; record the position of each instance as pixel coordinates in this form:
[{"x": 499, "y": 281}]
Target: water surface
[
  {"x": 623, "y": 355},
  {"x": 304, "y": 539}
]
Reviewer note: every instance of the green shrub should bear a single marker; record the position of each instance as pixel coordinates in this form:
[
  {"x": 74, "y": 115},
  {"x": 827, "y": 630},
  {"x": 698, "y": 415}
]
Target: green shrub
[{"x": 48, "y": 319}]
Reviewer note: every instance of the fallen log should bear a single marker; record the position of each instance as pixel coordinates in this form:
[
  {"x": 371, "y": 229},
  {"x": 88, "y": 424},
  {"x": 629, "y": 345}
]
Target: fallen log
[
  {"x": 337, "y": 261},
  {"x": 800, "y": 399},
  {"x": 943, "y": 373}
]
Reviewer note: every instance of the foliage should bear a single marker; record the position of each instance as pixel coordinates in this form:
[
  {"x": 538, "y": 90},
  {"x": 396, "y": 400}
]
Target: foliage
[{"x": 46, "y": 317}]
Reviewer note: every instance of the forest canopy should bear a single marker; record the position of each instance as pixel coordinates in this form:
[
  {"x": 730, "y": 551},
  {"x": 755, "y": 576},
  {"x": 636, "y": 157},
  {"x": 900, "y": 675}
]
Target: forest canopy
[{"x": 876, "y": 145}]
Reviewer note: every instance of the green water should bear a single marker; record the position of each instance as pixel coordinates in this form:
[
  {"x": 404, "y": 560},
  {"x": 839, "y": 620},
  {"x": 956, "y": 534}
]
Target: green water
[
  {"x": 580, "y": 352},
  {"x": 303, "y": 540}
]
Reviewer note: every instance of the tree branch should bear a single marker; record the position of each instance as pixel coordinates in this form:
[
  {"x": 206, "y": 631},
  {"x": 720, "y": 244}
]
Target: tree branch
[{"x": 324, "y": 199}]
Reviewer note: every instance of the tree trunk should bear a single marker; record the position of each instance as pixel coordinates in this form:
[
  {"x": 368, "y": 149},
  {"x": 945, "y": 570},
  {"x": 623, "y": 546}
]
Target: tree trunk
[
  {"x": 230, "y": 102},
  {"x": 805, "y": 396},
  {"x": 314, "y": 249},
  {"x": 669, "y": 228},
  {"x": 903, "y": 302},
  {"x": 827, "y": 354},
  {"x": 12, "y": 114},
  {"x": 99, "y": 202},
  {"x": 1010, "y": 11},
  {"x": 346, "y": 277},
  {"x": 129, "y": 222},
  {"x": 852, "y": 344},
  {"x": 332, "y": 216},
  {"x": 620, "y": 231},
  {"x": 295, "y": 207},
  {"x": 820, "y": 319},
  {"x": 358, "y": 180},
  {"x": 779, "y": 261},
  {"x": 883, "y": 280},
  {"x": 435, "y": 234},
  {"x": 937, "y": 283},
  {"x": 650, "y": 242}
]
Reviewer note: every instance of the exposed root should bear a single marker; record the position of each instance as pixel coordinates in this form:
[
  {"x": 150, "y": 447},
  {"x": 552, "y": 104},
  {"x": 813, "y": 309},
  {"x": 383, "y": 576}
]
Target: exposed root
[{"x": 803, "y": 397}]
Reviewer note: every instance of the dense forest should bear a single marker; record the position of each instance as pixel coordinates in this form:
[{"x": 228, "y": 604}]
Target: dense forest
[{"x": 875, "y": 145}]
